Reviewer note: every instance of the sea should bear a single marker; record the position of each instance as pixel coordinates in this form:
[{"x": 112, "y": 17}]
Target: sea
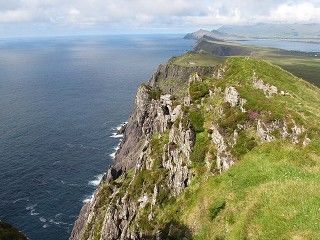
[{"x": 61, "y": 101}]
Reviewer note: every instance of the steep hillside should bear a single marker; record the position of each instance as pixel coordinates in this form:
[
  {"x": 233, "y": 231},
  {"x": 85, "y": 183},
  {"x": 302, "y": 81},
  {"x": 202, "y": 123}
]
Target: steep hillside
[
  {"x": 198, "y": 34},
  {"x": 211, "y": 34},
  {"x": 214, "y": 149},
  {"x": 302, "y": 64}
]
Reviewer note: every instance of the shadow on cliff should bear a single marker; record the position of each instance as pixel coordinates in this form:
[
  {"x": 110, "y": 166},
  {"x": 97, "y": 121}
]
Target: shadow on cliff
[
  {"x": 8, "y": 232},
  {"x": 172, "y": 231}
]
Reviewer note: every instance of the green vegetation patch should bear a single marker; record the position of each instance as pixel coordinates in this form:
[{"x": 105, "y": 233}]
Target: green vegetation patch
[
  {"x": 198, "y": 90},
  {"x": 175, "y": 87},
  {"x": 197, "y": 59},
  {"x": 301, "y": 103},
  {"x": 200, "y": 148},
  {"x": 197, "y": 119},
  {"x": 215, "y": 208},
  {"x": 272, "y": 193},
  {"x": 157, "y": 144},
  {"x": 231, "y": 118},
  {"x": 244, "y": 144}
]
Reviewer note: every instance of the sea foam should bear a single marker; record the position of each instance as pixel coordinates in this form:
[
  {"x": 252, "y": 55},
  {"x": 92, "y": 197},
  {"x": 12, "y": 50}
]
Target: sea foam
[
  {"x": 99, "y": 177},
  {"x": 96, "y": 181}
]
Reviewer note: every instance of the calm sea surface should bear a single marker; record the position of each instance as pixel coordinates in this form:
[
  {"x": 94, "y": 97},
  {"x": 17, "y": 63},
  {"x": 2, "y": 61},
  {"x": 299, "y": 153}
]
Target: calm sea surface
[{"x": 60, "y": 100}]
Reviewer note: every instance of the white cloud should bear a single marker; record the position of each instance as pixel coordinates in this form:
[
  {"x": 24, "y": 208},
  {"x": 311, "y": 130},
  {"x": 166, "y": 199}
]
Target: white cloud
[
  {"x": 301, "y": 12},
  {"x": 18, "y": 15},
  {"x": 157, "y": 13}
]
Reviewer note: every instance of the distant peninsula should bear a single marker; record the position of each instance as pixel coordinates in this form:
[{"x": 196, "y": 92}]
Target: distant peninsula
[{"x": 261, "y": 31}]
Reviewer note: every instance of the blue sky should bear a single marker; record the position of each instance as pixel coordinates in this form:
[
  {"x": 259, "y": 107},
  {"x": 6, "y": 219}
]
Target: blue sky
[{"x": 65, "y": 17}]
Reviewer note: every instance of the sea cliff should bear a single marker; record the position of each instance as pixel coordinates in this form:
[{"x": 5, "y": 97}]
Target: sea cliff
[{"x": 196, "y": 118}]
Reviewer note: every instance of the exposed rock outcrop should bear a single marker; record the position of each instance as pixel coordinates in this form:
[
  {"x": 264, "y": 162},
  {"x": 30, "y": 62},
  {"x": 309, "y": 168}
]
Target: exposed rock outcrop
[
  {"x": 224, "y": 157},
  {"x": 269, "y": 90},
  {"x": 233, "y": 97},
  {"x": 150, "y": 116}
]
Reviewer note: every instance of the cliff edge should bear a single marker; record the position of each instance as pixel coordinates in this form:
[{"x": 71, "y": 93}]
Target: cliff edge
[{"x": 212, "y": 143}]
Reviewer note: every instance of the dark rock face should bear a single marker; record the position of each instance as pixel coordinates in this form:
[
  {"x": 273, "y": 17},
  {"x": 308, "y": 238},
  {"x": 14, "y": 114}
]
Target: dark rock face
[
  {"x": 80, "y": 222},
  {"x": 8, "y": 232},
  {"x": 122, "y": 129},
  {"x": 134, "y": 133},
  {"x": 140, "y": 122},
  {"x": 171, "y": 78},
  {"x": 221, "y": 49}
]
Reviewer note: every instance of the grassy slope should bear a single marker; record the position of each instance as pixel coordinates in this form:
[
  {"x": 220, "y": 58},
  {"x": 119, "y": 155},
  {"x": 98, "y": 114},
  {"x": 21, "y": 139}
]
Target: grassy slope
[
  {"x": 304, "y": 100},
  {"x": 304, "y": 65},
  {"x": 190, "y": 59},
  {"x": 273, "y": 191}
]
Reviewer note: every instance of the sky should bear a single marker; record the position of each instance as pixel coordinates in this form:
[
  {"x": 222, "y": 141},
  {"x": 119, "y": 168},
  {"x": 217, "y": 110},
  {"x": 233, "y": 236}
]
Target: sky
[{"x": 76, "y": 17}]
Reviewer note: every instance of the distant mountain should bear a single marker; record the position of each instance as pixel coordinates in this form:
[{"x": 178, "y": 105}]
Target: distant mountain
[
  {"x": 213, "y": 35},
  {"x": 269, "y": 30}
]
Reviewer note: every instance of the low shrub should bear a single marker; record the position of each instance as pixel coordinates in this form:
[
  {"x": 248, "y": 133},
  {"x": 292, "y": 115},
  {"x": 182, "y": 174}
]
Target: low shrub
[
  {"x": 200, "y": 148},
  {"x": 198, "y": 90},
  {"x": 244, "y": 144},
  {"x": 216, "y": 208},
  {"x": 197, "y": 120}
]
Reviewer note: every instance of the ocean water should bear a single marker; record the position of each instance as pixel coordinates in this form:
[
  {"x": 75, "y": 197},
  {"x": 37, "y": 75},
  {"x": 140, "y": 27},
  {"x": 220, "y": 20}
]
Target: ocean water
[
  {"x": 301, "y": 46},
  {"x": 60, "y": 101}
]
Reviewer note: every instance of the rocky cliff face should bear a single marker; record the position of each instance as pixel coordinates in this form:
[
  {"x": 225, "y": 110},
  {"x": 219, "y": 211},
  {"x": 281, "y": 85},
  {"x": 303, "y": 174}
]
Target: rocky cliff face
[
  {"x": 157, "y": 136},
  {"x": 188, "y": 122}
]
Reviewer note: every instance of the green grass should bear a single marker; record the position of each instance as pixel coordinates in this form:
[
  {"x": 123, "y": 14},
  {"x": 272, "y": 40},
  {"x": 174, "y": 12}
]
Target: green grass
[
  {"x": 272, "y": 191},
  {"x": 197, "y": 119},
  {"x": 244, "y": 144},
  {"x": 271, "y": 194},
  {"x": 198, "y": 90},
  {"x": 303, "y": 104},
  {"x": 200, "y": 149},
  {"x": 196, "y": 59},
  {"x": 232, "y": 116},
  {"x": 304, "y": 65},
  {"x": 216, "y": 208},
  {"x": 177, "y": 88},
  {"x": 157, "y": 143}
]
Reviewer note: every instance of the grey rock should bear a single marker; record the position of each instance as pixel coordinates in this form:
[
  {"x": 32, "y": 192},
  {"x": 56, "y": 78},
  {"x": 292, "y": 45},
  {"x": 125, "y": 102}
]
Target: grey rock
[
  {"x": 232, "y": 96},
  {"x": 269, "y": 90},
  {"x": 194, "y": 78}
]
